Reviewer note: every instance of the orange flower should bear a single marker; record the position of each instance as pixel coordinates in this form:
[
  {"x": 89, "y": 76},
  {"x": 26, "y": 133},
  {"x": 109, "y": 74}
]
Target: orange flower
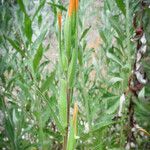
[
  {"x": 75, "y": 117},
  {"x": 77, "y": 4},
  {"x": 73, "y": 6},
  {"x": 59, "y": 15}
]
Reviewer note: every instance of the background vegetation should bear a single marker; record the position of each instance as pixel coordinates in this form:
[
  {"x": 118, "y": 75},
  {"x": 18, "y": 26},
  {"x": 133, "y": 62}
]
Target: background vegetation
[{"x": 36, "y": 72}]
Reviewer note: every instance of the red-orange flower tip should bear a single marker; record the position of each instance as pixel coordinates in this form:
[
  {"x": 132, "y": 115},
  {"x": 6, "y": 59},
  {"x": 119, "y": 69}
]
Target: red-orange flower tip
[
  {"x": 77, "y": 4},
  {"x": 59, "y": 15},
  {"x": 73, "y": 6}
]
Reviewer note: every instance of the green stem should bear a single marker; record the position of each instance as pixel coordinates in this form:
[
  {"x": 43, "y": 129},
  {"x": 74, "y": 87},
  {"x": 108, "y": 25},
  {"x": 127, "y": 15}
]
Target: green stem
[
  {"x": 68, "y": 118},
  {"x": 128, "y": 52},
  {"x": 41, "y": 135}
]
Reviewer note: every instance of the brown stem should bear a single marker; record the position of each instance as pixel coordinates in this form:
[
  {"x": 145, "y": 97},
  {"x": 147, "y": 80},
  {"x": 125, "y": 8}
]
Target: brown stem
[
  {"x": 131, "y": 137},
  {"x": 68, "y": 118}
]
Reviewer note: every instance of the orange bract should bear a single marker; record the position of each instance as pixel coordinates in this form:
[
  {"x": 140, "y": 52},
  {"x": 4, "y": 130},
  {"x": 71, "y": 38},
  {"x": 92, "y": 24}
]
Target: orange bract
[
  {"x": 73, "y": 6},
  {"x": 77, "y": 4},
  {"x": 75, "y": 116},
  {"x": 59, "y": 19}
]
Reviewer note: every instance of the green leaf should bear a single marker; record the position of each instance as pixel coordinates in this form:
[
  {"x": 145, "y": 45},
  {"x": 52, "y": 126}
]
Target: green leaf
[
  {"x": 37, "y": 58},
  {"x": 102, "y": 34},
  {"x": 22, "y": 7},
  {"x": 42, "y": 3},
  {"x": 114, "y": 58},
  {"x": 105, "y": 121},
  {"x": 115, "y": 80},
  {"x": 16, "y": 46},
  {"x": 28, "y": 28},
  {"x": 113, "y": 108},
  {"x": 115, "y": 24},
  {"x": 52, "y": 112},
  {"x": 40, "y": 20},
  {"x": 61, "y": 7},
  {"x": 64, "y": 62},
  {"x": 67, "y": 36},
  {"x": 85, "y": 33},
  {"x": 14, "y": 117},
  {"x": 72, "y": 69},
  {"x": 121, "y": 6},
  {"x": 80, "y": 55},
  {"x": 39, "y": 40},
  {"x": 57, "y": 121},
  {"x": 46, "y": 84},
  {"x": 142, "y": 107},
  {"x": 62, "y": 104},
  {"x": 71, "y": 138},
  {"x": 24, "y": 87},
  {"x": 10, "y": 131}
]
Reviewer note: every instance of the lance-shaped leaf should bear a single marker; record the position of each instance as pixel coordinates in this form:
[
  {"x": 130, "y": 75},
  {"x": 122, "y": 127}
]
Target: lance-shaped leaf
[
  {"x": 48, "y": 81},
  {"x": 72, "y": 69},
  {"x": 121, "y": 6},
  {"x": 37, "y": 58},
  {"x": 64, "y": 62},
  {"x": 80, "y": 55},
  {"x": 67, "y": 36},
  {"x": 113, "y": 58},
  {"x": 62, "y": 104},
  {"x": 28, "y": 28},
  {"x": 16, "y": 46},
  {"x": 85, "y": 33},
  {"x": 73, "y": 129},
  {"x": 42, "y": 3},
  {"x": 71, "y": 139},
  {"x": 39, "y": 40},
  {"x": 22, "y": 6},
  {"x": 61, "y": 7}
]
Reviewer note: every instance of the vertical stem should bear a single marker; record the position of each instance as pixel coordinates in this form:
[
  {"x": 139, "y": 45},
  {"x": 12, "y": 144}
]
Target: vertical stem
[
  {"x": 130, "y": 137},
  {"x": 39, "y": 117},
  {"x": 68, "y": 90},
  {"x": 128, "y": 30},
  {"x": 131, "y": 121},
  {"x": 72, "y": 44}
]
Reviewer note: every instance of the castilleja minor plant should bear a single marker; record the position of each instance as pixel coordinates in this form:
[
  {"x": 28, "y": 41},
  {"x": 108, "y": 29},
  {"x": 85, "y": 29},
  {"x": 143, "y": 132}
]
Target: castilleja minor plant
[{"x": 68, "y": 45}]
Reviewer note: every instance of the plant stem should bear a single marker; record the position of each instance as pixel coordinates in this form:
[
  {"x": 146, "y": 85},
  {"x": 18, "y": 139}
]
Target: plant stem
[
  {"x": 128, "y": 30},
  {"x": 68, "y": 90},
  {"x": 39, "y": 118},
  {"x": 131, "y": 121}
]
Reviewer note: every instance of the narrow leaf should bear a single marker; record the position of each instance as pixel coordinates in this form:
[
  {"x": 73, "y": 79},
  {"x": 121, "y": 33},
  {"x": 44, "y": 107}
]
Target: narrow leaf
[
  {"x": 72, "y": 69},
  {"x": 85, "y": 33},
  {"x": 114, "y": 58},
  {"x": 121, "y": 6},
  {"x": 22, "y": 7},
  {"x": 16, "y": 46},
  {"x": 62, "y": 103},
  {"x": 28, "y": 28},
  {"x": 61, "y": 7},
  {"x": 71, "y": 139},
  {"x": 39, "y": 40},
  {"x": 37, "y": 58},
  {"x": 46, "y": 84},
  {"x": 39, "y": 8}
]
